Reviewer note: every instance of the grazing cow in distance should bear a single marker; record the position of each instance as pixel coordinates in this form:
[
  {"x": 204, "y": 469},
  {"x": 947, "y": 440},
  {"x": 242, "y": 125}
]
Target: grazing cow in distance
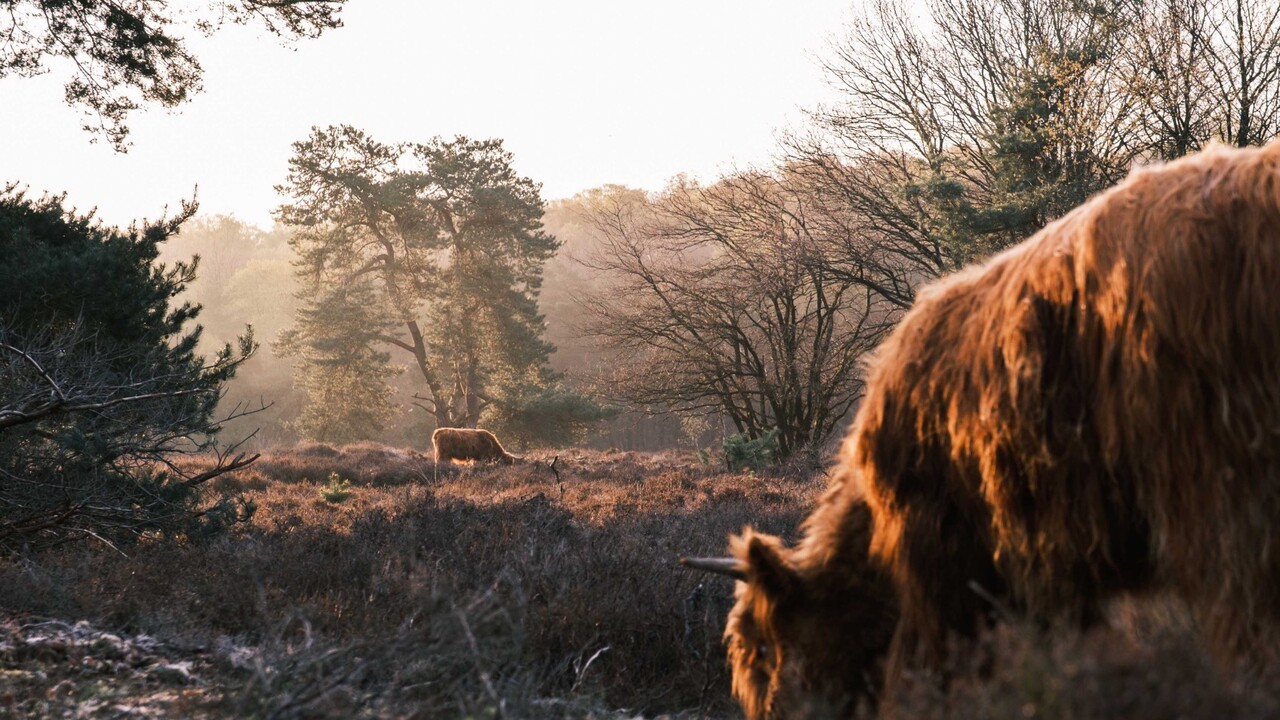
[
  {"x": 469, "y": 444},
  {"x": 1093, "y": 412}
]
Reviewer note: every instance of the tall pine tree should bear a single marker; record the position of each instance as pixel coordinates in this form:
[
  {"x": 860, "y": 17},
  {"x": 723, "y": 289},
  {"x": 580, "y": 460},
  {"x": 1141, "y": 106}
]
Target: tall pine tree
[{"x": 446, "y": 239}]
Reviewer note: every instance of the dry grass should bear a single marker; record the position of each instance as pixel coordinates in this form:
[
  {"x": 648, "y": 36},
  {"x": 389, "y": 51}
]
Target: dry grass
[
  {"x": 469, "y": 591},
  {"x": 497, "y": 592},
  {"x": 1154, "y": 670}
]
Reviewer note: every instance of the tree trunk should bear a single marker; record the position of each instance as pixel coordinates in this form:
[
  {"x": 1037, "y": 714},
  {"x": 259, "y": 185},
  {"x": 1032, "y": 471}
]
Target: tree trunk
[
  {"x": 439, "y": 404},
  {"x": 473, "y": 398}
]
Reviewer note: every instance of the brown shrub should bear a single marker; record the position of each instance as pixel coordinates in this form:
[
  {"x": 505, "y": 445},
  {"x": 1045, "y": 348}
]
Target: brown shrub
[
  {"x": 404, "y": 598},
  {"x": 1158, "y": 671},
  {"x": 495, "y": 593}
]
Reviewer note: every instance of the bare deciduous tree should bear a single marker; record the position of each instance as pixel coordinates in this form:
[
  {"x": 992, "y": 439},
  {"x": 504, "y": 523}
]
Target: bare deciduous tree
[
  {"x": 1245, "y": 70},
  {"x": 1204, "y": 70},
  {"x": 968, "y": 130},
  {"x": 1168, "y": 63},
  {"x": 954, "y": 140},
  {"x": 717, "y": 303}
]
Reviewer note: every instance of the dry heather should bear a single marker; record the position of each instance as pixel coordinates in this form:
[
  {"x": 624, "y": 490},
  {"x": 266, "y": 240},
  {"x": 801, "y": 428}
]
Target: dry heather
[
  {"x": 485, "y": 592},
  {"x": 467, "y": 591}
]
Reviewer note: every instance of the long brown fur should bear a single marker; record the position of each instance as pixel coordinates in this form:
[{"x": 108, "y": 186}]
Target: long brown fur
[
  {"x": 1093, "y": 412},
  {"x": 467, "y": 444}
]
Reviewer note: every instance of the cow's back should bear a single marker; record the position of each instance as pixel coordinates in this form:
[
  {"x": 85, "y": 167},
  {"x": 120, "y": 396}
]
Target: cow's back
[{"x": 1093, "y": 411}]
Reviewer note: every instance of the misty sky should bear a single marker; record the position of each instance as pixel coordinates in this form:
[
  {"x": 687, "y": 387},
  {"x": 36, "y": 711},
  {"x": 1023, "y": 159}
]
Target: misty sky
[{"x": 584, "y": 93}]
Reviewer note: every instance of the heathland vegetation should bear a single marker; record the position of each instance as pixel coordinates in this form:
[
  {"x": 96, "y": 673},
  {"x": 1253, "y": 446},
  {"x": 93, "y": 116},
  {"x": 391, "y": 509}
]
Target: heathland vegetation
[
  {"x": 517, "y": 592},
  {"x": 214, "y": 493}
]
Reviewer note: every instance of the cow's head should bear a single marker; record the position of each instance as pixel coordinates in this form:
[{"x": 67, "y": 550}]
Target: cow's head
[{"x": 801, "y": 642}]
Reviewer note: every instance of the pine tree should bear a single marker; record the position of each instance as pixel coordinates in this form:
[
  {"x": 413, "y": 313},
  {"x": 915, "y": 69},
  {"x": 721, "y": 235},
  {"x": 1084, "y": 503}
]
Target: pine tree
[
  {"x": 339, "y": 365},
  {"x": 447, "y": 237},
  {"x": 100, "y": 382},
  {"x": 127, "y": 54},
  {"x": 1039, "y": 160}
]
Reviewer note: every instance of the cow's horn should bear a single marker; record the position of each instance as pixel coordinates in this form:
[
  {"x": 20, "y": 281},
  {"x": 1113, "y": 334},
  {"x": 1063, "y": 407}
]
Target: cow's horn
[{"x": 720, "y": 566}]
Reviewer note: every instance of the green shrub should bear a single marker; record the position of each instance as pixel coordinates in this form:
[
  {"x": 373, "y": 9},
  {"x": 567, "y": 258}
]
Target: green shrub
[
  {"x": 338, "y": 489},
  {"x": 101, "y": 384},
  {"x": 743, "y": 453}
]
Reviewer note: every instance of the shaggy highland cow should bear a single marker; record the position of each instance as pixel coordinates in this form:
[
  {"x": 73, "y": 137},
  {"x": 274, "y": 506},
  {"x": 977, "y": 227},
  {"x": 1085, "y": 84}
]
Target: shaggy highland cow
[
  {"x": 469, "y": 445},
  {"x": 1093, "y": 412}
]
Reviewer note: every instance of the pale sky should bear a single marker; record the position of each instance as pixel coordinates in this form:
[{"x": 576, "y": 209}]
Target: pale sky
[{"x": 583, "y": 92}]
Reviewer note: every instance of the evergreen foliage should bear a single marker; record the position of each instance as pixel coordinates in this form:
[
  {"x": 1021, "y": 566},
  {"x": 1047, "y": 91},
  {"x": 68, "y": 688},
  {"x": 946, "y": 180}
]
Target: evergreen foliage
[
  {"x": 339, "y": 364},
  {"x": 433, "y": 249},
  {"x": 245, "y": 278},
  {"x": 128, "y": 53},
  {"x": 1039, "y": 167},
  {"x": 337, "y": 490},
  {"x": 741, "y": 452},
  {"x": 549, "y": 415},
  {"x": 100, "y": 381}
]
